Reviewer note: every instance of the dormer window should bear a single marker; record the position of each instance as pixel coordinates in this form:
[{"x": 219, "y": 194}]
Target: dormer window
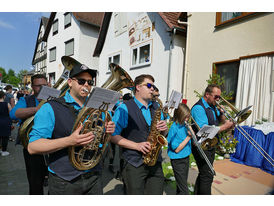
[{"x": 67, "y": 20}]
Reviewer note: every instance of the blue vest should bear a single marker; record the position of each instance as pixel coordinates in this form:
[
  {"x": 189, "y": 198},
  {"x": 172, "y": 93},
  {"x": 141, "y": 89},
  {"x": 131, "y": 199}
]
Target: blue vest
[
  {"x": 210, "y": 116},
  {"x": 136, "y": 131},
  {"x": 59, "y": 162}
]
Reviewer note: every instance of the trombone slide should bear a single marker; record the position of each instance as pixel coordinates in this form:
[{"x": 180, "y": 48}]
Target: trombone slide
[{"x": 202, "y": 153}]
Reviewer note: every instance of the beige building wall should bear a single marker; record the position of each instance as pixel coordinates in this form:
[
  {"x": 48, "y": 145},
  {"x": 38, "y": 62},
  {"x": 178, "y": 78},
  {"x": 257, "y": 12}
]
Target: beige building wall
[{"x": 207, "y": 44}]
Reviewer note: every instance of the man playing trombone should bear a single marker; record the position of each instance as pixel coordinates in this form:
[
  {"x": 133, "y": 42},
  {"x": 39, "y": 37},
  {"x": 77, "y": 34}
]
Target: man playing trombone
[{"x": 205, "y": 112}]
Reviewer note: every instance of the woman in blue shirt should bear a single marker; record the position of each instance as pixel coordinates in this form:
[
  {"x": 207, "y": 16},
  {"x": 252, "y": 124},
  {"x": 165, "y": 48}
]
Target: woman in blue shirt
[{"x": 179, "y": 148}]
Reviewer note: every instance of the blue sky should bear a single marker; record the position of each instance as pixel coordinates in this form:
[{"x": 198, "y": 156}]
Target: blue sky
[{"x": 18, "y": 33}]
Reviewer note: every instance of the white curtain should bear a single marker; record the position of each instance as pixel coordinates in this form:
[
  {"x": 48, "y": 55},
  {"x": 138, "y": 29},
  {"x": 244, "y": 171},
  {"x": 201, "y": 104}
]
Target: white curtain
[{"x": 254, "y": 88}]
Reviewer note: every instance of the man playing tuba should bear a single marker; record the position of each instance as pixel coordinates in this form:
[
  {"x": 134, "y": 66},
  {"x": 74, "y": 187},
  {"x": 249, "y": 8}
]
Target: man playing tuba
[
  {"x": 25, "y": 108},
  {"x": 52, "y": 134}
]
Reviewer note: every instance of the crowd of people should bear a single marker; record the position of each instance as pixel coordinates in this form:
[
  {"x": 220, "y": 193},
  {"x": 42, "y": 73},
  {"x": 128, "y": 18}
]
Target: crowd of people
[{"x": 46, "y": 155}]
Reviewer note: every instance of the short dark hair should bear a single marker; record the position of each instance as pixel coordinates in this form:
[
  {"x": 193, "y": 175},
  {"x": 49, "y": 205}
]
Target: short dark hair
[
  {"x": 2, "y": 94},
  {"x": 38, "y": 76},
  {"x": 8, "y": 87},
  {"x": 210, "y": 87},
  {"x": 139, "y": 79},
  {"x": 127, "y": 96}
]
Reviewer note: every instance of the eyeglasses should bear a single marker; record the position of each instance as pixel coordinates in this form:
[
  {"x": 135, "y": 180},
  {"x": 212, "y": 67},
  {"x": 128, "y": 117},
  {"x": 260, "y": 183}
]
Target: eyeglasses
[
  {"x": 39, "y": 85},
  {"x": 83, "y": 81},
  {"x": 149, "y": 85}
]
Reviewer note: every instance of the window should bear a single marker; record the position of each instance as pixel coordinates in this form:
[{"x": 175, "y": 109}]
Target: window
[
  {"x": 69, "y": 47},
  {"x": 42, "y": 46},
  {"x": 52, "y": 54},
  {"x": 55, "y": 27},
  {"x": 229, "y": 71},
  {"x": 120, "y": 23},
  {"x": 141, "y": 54},
  {"x": 114, "y": 59},
  {"x": 67, "y": 20},
  {"x": 228, "y": 17},
  {"x": 52, "y": 78}
]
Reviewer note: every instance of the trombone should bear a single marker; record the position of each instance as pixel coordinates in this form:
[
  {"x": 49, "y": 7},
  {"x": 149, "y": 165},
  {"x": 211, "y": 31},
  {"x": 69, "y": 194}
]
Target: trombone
[
  {"x": 242, "y": 116},
  {"x": 202, "y": 153}
]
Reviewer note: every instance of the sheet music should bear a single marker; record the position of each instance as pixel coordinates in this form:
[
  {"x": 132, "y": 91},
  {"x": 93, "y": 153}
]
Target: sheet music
[
  {"x": 99, "y": 95},
  {"x": 174, "y": 99},
  {"x": 206, "y": 132},
  {"x": 46, "y": 93}
]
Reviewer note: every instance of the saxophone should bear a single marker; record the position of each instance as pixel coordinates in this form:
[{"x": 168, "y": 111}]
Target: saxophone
[{"x": 155, "y": 138}]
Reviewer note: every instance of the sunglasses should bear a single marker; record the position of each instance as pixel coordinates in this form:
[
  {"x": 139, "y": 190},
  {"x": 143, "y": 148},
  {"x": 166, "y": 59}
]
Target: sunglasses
[
  {"x": 217, "y": 97},
  {"x": 149, "y": 85},
  {"x": 83, "y": 81}
]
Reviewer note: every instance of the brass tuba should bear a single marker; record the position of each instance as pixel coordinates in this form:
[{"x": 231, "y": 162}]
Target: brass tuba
[
  {"x": 61, "y": 84},
  {"x": 87, "y": 156},
  {"x": 155, "y": 138}
]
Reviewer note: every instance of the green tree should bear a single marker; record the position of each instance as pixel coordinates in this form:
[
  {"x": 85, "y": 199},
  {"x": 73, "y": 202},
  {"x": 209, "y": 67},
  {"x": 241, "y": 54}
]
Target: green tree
[
  {"x": 4, "y": 74},
  {"x": 227, "y": 142},
  {"x": 218, "y": 80},
  {"x": 21, "y": 73},
  {"x": 9, "y": 77}
]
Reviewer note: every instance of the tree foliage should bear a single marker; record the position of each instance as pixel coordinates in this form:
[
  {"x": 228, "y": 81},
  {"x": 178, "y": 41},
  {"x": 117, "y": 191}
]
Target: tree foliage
[{"x": 11, "y": 77}]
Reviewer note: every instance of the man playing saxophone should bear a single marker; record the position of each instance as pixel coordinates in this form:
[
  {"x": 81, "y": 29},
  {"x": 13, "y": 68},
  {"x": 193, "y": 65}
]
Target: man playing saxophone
[
  {"x": 25, "y": 108},
  {"x": 133, "y": 124},
  {"x": 51, "y": 133}
]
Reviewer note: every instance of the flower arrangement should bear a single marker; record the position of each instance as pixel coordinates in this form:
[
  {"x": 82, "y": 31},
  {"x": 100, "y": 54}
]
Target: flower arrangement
[{"x": 227, "y": 143}]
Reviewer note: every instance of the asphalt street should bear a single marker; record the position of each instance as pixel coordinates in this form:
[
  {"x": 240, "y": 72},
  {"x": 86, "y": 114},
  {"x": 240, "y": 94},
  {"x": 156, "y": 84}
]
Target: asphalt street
[{"x": 13, "y": 178}]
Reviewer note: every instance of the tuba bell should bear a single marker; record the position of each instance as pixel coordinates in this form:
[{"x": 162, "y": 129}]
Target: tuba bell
[
  {"x": 61, "y": 84},
  {"x": 87, "y": 156}
]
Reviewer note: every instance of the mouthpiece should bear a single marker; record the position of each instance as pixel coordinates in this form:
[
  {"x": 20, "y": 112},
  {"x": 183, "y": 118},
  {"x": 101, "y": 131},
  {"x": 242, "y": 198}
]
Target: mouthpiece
[{"x": 85, "y": 90}]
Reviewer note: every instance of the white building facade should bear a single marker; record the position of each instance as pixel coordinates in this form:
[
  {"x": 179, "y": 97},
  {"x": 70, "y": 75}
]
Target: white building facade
[
  {"x": 69, "y": 36},
  {"x": 143, "y": 43},
  {"x": 40, "y": 52}
]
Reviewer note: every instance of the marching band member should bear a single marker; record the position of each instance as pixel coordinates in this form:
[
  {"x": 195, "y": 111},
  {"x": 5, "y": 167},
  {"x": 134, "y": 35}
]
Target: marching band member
[
  {"x": 133, "y": 121},
  {"x": 205, "y": 112},
  {"x": 52, "y": 134},
  {"x": 179, "y": 148},
  {"x": 25, "y": 108}
]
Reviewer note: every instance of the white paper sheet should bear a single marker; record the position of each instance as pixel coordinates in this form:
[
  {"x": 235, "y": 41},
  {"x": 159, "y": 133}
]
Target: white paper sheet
[
  {"x": 99, "y": 95},
  {"x": 48, "y": 92},
  {"x": 207, "y": 132}
]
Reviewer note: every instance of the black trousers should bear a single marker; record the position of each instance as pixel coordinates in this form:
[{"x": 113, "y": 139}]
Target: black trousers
[
  {"x": 4, "y": 143},
  {"x": 205, "y": 178},
  {"x": 143, "y": 180},
  {"x": 180, "y": 168},
  {"x": 36, "y": 172},
  {"x": 86, "y": 184}
]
